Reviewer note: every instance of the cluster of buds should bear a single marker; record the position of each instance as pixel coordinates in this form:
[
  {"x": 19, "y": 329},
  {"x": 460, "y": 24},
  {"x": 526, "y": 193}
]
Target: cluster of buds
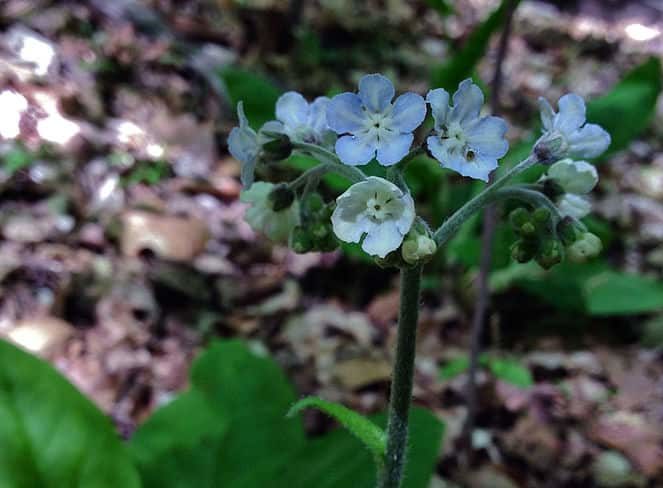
[{"x": 353, "y": 129}]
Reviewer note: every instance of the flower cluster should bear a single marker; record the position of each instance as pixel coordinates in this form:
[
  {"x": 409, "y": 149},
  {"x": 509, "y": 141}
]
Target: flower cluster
[{"x": 378, "y": 213}]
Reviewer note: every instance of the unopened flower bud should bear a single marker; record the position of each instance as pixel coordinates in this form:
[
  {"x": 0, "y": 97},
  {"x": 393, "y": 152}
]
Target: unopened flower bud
[
  {"x": 541, "y": 215},
  {"x": 518, "y": 217},
  {"x": 528, "y": 229},
  {"x": 523, "y": 250},
  {"x": 588, "y": 246},
  {"x": 550, "y": 147},
  {"x": 418, "y": 247},
  {"x": 566, "y": 231},
  {"x": 277, "y": 149},
  {"x": 551, "y": 253},
  {"x": 281, "y": 197},
  {"x": 300, "y": 240}
]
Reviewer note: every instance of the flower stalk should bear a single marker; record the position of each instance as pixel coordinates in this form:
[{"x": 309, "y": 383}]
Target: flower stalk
[{"x": 401, "y": 385}]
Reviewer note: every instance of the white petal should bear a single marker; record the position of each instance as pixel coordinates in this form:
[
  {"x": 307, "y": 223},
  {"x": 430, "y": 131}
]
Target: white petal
[
  {"x": 356, "y": 150},
  {"x": 344, "y": 113},
  {"x": 571, "y": 113},
  {"x": 383, "y": 239},
  {"x": 468, "y": 100},
  {"x": 438, "y": 100},
  {"x": 589, "y": 142},
  {"x": 404, "y": 223},
  {"x": 547, "y": 113},
  {"x": 292, "y": 109},
  {"x": 376, "y": 92},
  {"x": 578, "y": 177},
  {"x": 408, "y": 113},
  {"x": 394, "y": 149},
  {"x": 575, "y": 206},
  {"x": 487, "y": 136}
]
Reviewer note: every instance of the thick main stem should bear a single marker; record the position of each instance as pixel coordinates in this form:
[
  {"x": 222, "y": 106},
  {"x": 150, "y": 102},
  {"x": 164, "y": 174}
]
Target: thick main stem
[{"x": 401, "y": 383}]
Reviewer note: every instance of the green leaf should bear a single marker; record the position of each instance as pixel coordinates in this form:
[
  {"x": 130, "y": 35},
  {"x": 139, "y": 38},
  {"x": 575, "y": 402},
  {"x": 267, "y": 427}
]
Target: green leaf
[
  {"x": 449, "y": 74},
  {"x": 366, "y": 431},
  {"x": 443, "y": 7},
  {"x": 258, "y": 94},
  {"x": 50, "y": 434},
  {"x": 16, "y": 159},
  {"x": 629, "y": 107},
  {"x": 455, "y": 367},
  {"x": 509, "y": 371},
  {"x": 230, "y": 430},
  {"x": 617, "y": 293}
]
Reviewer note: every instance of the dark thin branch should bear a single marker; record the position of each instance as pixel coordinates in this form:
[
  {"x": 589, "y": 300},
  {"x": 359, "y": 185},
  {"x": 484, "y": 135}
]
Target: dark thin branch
[{"x": 487, "y": 234}]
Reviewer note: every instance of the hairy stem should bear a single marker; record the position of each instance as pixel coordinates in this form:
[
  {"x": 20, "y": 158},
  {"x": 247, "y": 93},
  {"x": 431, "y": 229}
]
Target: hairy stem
[
  {"x": 533, "y": 197},
  {"x": 453, "y": 223},
  {"x": 401, "y": 383}
]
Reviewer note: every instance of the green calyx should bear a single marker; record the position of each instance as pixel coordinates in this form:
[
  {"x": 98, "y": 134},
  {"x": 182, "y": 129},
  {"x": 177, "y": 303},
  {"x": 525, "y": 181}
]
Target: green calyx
[
  {"x": 315, "y": 232},
  {"x": 281, "y": 197}
]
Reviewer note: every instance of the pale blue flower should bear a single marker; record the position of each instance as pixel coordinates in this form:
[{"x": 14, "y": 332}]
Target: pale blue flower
[
  {"x": 371, "y": 126},
  {"x": 262, "y": 217},
  {"x": 302, "y": 121},
  {"x": 245, "y": 144},
  {"x": 377, "y": 209},
  {"x": 565, "y": 133},
  {"x": 463, "y": 141}
]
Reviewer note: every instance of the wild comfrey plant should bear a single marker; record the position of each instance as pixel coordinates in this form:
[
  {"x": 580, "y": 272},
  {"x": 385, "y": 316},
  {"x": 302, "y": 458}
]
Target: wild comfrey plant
[{"x": 351, "y": 130}]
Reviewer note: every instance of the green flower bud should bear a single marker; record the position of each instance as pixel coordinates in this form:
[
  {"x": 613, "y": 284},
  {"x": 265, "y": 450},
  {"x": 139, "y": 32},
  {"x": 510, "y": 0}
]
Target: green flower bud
[
  {"x": 566, "y": 231},
  {"x": 300, "y": 240},
  {"x": 524, "y": 250},
  {"x": 328, "y": 244},
  {"x": 519, "y": 217},
  {"x": 551, "y": 253},
  {"x": 277, "y": 149},
  {"x": 528, "y": 230},
  {"x": 541, "y": 215},
  {"x": 281, "y": 197},
  {"x": 586, "y": 247},
  {"x": 313, "y": 203},
  {"x": 320, "y": 230}
]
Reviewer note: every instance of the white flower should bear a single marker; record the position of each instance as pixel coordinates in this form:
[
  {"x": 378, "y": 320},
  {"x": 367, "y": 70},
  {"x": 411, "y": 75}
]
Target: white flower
[
  {"x": 302, "y": 121},
  {"x": 262, "y": 217},
  {"x": 579, "y": 177},
  {"x": 572, "y": 205},
  {"x": 565, "y": 133},
  {"x": 464, "y": 141},
  {"x": 377, "y": 209}
]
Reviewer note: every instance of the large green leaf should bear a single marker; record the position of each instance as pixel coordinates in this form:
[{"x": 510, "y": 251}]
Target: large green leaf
[
  {"x": 616, "y": 293},
  {"x": 50, "y": 434},
  {"x": 462, "y": 64},
  {"x": 629, "y": 107},
  {"x": 243, "y": 397},
  {"x": 257, "y": 92}
]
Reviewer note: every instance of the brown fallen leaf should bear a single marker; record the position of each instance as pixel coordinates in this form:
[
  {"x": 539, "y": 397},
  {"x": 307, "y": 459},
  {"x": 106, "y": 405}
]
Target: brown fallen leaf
[
  {"x": 41, "y": 335},
  {"x": 174, "y": 238}
]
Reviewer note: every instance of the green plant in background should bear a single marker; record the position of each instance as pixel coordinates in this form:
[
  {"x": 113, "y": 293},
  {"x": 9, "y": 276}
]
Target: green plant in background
[{"x": 378, "y": 212}]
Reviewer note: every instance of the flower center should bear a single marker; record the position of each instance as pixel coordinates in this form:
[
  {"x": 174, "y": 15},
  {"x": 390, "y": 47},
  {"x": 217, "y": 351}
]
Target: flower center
[
  {"x": 378, "y": 125},
  {"x": 377, "y": 207},
  {"x": 455, "y": 141}
]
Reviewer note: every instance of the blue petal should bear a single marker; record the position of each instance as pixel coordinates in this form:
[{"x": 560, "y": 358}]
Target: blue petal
[
  {"x": 439, "y": 106},
  {"x": 376, "y": 92},
  {"x": 356, "y": 150},
  {"x": 394, "y": 149},
  {"x": 571, "y": 113},
  {"x": 486, "y": 136},
  {"x": 468, "y": 100},
  {"x": 409, "y": 112},
  {"x": 318, "y": 114},
  {"x": 589, "y": 142},
  {"x": 479, "y": 168},
  {"x": 292, "y": 109},
  {"x": 344, "y": 113}
]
